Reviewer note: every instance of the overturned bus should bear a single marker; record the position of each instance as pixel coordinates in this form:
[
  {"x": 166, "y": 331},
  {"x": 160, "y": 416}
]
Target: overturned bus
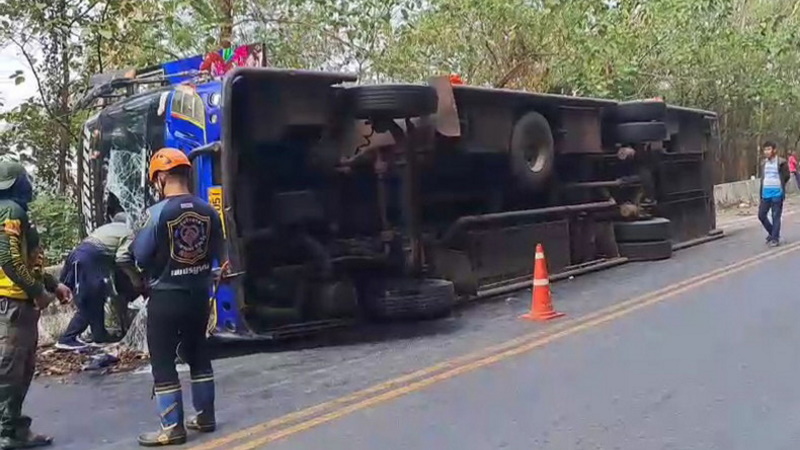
[{"x": 344, "y": 201}]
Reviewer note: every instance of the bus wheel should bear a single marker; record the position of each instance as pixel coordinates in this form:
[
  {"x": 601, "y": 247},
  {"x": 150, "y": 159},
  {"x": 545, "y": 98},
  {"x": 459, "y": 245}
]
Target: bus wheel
[
  {"x": 640, "y": 111},
  {"x": 532, "y": 152},
  {"x": 409, "y": 299},
  {"x": 645, "y": 251},
  {"x": 641, "y": 132},
  {"x": 655, "y": 229},
  {"x": 397, "y": 101}
]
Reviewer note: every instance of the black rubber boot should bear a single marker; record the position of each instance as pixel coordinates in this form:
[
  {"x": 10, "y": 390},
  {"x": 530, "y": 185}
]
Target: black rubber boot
[
  {"x": 170, "y": 407},
  {"x": 203, "y": 401},
  {"x": 26, "y": 440}
]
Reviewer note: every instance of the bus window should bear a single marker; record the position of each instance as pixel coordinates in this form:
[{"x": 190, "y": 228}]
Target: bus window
[
  {"x": 126, "y": 178},
  {"x": 189, "y": 106},
  {"x": 177, "y": 102},
  {"x": 199, "y": 113}
]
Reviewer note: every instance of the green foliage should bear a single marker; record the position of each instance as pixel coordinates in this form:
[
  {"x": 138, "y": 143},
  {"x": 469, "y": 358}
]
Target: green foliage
[
  {"x": 740, "y": 58},
  {"x": 30, "y": 138},
  {"x": 56, "y": 218}
]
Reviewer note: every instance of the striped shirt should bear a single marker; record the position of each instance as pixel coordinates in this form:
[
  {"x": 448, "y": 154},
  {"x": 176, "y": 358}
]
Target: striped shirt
[{"x": 772, "y": 188}]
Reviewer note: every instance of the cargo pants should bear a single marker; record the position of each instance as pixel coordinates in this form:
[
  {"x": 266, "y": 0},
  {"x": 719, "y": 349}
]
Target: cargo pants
[{"x": 19, "y": 335}]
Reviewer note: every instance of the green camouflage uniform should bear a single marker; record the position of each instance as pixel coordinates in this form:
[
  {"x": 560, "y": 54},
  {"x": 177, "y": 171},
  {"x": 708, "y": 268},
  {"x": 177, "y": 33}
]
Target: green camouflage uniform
[{"x": 22, "y": 279}]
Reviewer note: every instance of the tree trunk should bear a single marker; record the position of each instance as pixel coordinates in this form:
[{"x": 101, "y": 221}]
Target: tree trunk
[
  {"x": 62, "y": 109},
  {"x": 226, "y": 25}
]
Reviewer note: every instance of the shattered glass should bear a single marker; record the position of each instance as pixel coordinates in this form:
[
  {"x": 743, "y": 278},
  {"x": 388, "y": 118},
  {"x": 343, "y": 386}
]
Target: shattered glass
[
  {"x": 126, "y": 181},
  {"x": 126, "y": 177}
]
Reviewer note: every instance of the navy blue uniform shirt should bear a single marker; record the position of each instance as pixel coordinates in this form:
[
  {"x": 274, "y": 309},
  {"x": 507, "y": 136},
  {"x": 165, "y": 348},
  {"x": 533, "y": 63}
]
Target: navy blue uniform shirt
[{"x": 179, "y": 243}]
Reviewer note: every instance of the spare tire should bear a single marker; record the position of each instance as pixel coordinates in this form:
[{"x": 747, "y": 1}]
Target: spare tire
[
  {"x": 393, "y": 101},
  {"x": 404, "y": 299},
  {"x": 641, "y": 132},
  {"x": 640, "y": 111},
  {"x": 656, "y": 229},
  {"x": 645, "y": 251},
  {"x": 532, "y": 152}
]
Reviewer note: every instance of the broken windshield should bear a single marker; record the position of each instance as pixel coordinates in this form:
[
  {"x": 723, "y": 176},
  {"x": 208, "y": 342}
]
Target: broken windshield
[{"x": 127, "y": 159}]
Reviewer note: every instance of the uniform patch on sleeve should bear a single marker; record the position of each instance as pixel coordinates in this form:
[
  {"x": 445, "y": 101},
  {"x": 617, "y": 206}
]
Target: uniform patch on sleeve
[{"x": 12, "y": 227}]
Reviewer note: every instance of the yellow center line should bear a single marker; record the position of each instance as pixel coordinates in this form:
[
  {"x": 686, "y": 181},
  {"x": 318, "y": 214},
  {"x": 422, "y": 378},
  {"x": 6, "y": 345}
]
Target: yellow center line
[{"x": 316, "y": 415}]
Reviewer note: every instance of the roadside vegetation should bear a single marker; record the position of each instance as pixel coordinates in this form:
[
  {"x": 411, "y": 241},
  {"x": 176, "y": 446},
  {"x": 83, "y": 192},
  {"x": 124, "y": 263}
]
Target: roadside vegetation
[{"x": 740, "y": 58}]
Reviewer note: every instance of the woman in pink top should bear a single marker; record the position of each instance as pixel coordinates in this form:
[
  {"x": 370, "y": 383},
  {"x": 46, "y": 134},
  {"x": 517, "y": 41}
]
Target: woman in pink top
[{"x": 793, "y": 168}]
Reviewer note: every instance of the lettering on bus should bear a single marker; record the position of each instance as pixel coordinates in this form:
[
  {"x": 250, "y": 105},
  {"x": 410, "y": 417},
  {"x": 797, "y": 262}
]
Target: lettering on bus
[{"x": 215, "y": 200}]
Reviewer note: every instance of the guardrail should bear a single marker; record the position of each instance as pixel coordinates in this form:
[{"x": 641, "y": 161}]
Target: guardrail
[{"x": 729, "y": 194}]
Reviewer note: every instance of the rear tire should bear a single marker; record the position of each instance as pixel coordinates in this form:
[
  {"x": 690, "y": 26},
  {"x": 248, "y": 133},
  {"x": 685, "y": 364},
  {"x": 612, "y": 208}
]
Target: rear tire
[
  {"x": 645, "y": 251},
  {"x": 397, "y": 101},
  {"x": 641, "y": 132},
  {"x": 640, "y": 111},
  {"x": 532, "y": 152},
  {"x": 656, "y": 229},
  {"x": 408, "y": 299}
]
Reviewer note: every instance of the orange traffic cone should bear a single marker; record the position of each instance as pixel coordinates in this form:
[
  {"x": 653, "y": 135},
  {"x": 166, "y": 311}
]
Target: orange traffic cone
[{"x": 542, "y": 302}]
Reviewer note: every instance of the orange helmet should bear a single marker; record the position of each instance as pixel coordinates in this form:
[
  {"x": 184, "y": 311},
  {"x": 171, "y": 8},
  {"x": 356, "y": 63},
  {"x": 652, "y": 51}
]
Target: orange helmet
[{"x": 167, "y": 159}]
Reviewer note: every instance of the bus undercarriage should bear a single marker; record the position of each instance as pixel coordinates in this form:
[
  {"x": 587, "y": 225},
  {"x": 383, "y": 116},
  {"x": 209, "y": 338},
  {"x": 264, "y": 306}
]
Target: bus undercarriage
[{"x": 400, "y": 201}]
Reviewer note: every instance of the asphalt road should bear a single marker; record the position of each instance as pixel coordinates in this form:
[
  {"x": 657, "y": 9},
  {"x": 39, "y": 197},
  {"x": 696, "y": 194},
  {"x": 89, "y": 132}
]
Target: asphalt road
[{"x": 711, "y": 366}]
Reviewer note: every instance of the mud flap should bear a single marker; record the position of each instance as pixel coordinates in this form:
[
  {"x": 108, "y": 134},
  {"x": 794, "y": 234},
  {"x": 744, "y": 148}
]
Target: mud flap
[{"x": 447, "y": 123}]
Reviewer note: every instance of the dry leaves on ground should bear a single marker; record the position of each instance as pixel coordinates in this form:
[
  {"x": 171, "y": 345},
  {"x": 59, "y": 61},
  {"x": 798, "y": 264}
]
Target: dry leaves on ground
[{"x": 52, "y": 362}]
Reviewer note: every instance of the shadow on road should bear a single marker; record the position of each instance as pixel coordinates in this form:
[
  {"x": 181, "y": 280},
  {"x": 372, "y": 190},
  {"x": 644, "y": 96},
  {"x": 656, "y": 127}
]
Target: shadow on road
[{"x": 353, "y": 335}]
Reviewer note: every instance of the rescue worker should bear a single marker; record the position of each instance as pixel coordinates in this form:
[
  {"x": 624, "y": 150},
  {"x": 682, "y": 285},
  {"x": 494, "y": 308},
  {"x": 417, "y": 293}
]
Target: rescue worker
[
  {"x": 176, "y": 249},
  {"x": 87, "y": 271},
  {"x": 24, "y": 290}
]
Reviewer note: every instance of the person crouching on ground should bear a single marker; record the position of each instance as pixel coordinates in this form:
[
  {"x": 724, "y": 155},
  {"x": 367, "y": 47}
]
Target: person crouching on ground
[
  {"x": 25, "y": 290},
  {"x": 87, "y": 272},
  {"x": 774, "y": 176},
  {"x": 176, "y": 249}
]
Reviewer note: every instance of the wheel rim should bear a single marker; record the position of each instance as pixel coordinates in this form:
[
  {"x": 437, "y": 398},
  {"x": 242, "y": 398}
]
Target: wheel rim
[{"x": 536, "y": 159}]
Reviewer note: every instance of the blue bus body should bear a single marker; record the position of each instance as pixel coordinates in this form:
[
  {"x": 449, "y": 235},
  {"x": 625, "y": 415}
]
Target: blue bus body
[
  {"x": 192, "y": 119},
  {"x": 187, "y": 116}
]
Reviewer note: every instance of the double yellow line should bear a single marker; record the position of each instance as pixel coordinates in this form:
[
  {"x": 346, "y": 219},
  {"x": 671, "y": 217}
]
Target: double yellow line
[{"x": 299, "y": 421}]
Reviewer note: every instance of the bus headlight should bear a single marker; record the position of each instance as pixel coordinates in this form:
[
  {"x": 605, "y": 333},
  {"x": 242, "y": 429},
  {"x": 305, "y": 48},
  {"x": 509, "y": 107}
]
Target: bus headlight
[{"x": 214, "y": 99}]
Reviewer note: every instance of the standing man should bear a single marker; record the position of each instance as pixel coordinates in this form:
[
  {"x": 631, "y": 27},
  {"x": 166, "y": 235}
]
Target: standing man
[
  {"x": 24, "y": 291},
  {"x": 793, "y": 168},
  {"x": 88, "y": 271},
  {"x": 774, "y": 176},
  {"x": 176, "y": 249}
]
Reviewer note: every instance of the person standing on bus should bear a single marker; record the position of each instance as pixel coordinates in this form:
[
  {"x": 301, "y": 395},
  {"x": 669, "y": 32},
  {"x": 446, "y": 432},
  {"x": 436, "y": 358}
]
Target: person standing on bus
[
  {"x": 25, "y": 289},
  {"x": 176, "y": 249}
]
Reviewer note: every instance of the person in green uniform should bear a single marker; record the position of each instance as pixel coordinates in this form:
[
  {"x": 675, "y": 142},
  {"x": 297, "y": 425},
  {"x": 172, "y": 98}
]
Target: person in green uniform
[{"x": 24, "y": 291}]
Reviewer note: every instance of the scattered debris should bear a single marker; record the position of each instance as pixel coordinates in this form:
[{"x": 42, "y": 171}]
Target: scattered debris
[
  {"x": 52, "y": 362},
  {"x": 136, "y": 338}
]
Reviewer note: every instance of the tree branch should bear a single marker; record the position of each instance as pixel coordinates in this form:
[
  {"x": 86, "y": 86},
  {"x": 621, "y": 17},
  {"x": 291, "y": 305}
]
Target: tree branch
[
  {"x": 80, "y": 16},
  {"x": 505, "y": 79},
  {"x": 55, "y": 117}
]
